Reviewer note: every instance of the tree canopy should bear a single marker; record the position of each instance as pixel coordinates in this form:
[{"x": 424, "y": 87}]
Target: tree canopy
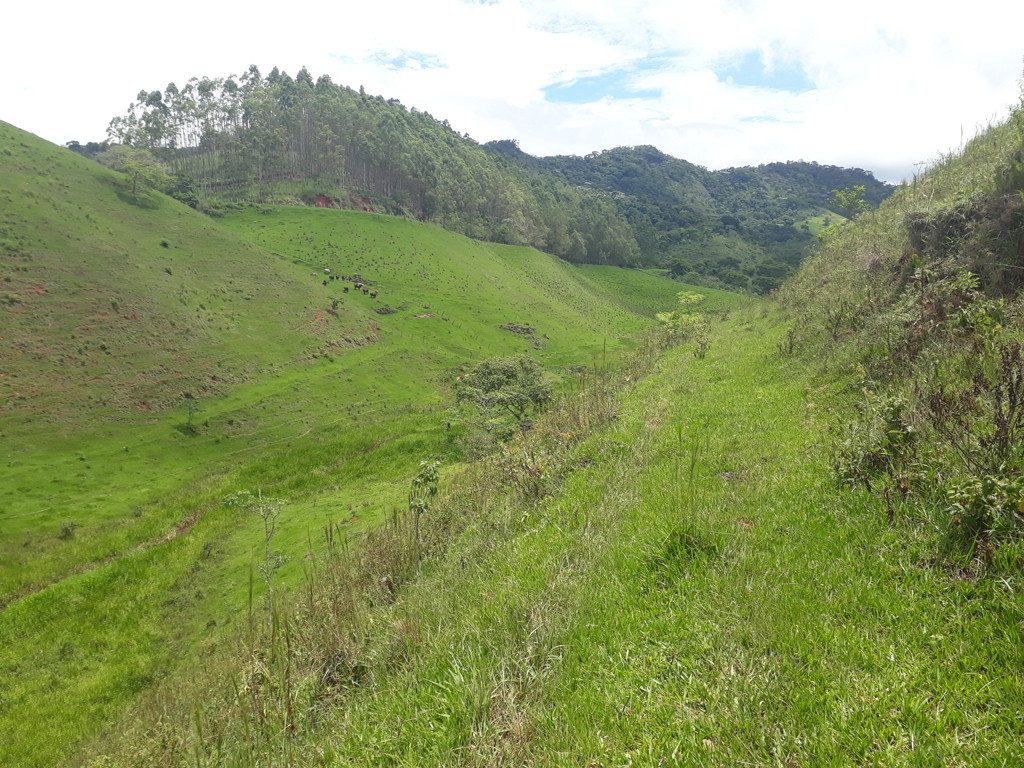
[
  {"x": 502, "y": 389},
  {"x": 283, "y": 139}
]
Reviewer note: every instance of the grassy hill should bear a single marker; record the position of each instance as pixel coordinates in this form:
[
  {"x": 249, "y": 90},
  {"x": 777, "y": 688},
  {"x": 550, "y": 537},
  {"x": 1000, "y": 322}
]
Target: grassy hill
[
  {"x": 771, "y": 553},
  {"x": 800, "y": 543},
  {"x": 156, "y": 361}
]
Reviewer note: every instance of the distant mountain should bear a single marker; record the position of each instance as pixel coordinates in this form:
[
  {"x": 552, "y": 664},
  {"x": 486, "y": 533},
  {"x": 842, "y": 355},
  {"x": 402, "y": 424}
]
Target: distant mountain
[
  {"x": 746, "y": 227},
  {"x": 279, "y": 139}
]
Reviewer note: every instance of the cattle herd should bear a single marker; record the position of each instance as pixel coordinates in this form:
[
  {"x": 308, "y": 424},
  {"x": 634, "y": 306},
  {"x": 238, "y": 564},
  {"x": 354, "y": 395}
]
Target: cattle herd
[{"x": 356, "y": 280}]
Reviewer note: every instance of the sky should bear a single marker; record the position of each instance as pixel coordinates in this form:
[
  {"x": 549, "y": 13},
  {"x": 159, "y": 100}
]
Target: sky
[{"x": 884, "y": 85}]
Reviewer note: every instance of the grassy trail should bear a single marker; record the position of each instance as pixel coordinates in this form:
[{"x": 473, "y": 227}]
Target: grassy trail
[{"x": 699, "y": 594}]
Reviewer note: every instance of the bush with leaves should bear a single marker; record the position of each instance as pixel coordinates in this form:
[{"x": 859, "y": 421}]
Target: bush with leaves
[
  {"x": 502, "y": 393},
  {"x": 881, "y": 442},
  {"x": 984, "y": 510}
]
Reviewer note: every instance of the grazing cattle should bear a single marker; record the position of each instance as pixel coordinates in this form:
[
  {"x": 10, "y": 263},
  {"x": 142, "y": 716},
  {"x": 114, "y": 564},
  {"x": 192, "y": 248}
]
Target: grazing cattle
[
  {"x": 366, "y": 290},
  {"x": 346, "y": 289},
  {"x": 325, "y": 282},
  {"x": 327, "y": 271},
  {"x": 373, "y": 294},
  {"x": 359, "y": 285}
]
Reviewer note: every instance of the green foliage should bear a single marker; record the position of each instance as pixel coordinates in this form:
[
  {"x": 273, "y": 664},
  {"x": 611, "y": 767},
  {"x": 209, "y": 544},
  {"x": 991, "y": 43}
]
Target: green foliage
[
  {"x": 850, "y": 201},
  {"x": 922, "y": 298},
  {"x": 278, "y": 139},
  {"x": 503, "y": 391},
  {"x": 985, "y": 509},
  {"x": 424, "y": 488},
  {"x": 140, "y": 166},
  {"x": 882, "y": 441},
  {"x": 738, "y": 228},
  {"x": 685, "y": 325}
]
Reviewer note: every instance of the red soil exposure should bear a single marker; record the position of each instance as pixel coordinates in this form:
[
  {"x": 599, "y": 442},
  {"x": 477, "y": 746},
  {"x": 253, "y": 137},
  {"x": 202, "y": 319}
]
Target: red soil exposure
[
  {"x": 144, "y": 406},
  {"x": 320, "y": 322},
  {"x": 323, "y": 201},
  {"x": 37, "y": 289}
]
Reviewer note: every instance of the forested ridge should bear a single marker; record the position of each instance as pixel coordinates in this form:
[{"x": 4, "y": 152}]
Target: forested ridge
[
  {"x": 744, "y": 227},
  {"x": 276, "y": 138}
]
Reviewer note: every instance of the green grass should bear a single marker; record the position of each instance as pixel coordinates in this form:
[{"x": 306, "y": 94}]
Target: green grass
[
  {"x": 701, "y": 595},
  {"x": 663, "y": 574},
  {"x": 117, "y": 556},
  {"x": 695, "y": 591}
]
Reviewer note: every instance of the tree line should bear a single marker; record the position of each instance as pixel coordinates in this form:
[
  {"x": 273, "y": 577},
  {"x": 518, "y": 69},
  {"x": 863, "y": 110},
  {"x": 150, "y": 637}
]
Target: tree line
[
  {"x": 259, "y": 138},
  {"x": 280, "y": 139}
]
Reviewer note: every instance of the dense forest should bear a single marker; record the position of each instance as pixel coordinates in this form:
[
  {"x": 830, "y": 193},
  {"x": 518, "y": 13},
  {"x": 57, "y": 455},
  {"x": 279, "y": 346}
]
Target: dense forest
[
  {"x": 741, "y": 227},
  {"x": 283, "y": 139}
]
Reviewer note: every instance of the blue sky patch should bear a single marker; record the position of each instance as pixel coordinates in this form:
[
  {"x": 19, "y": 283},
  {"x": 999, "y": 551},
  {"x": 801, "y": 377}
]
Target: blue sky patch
[
  {"x": 618, "y": 84},
  {"x": 751, "y": 71},
  {"x": 408, "y": 60}
]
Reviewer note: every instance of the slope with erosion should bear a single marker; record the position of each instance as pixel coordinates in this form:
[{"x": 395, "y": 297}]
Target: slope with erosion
[{"x": 155, "y": 360}]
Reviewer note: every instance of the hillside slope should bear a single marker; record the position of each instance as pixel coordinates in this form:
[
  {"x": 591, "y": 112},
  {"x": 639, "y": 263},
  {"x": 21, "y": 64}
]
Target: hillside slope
[
  {"x": 802, "y": 547},
  {"x": 274, "y": 137},
  {"x": 155, "y": 361},
  {"x": 745, "y": 227},
  {"x": 689, "y": 587}
]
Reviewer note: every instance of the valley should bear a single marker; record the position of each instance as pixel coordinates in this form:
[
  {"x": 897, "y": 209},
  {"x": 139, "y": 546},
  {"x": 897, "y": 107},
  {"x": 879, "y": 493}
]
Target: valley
[{"x": 704, "y": 528}]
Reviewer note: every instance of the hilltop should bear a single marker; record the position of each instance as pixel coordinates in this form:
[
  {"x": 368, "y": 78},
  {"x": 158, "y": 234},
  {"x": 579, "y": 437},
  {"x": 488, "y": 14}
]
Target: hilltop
[{"x": 276, "y": 138}]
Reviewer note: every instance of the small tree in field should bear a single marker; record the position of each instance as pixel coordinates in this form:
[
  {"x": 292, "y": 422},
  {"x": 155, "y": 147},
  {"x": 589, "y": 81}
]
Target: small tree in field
[
  {"x": 503, "y": 390},
  {"x": 684, "y": 324},
  {"x": 139, "y": 165},
  {"x": 268, "y": 510},
  {"x": 850, "y": 201}
]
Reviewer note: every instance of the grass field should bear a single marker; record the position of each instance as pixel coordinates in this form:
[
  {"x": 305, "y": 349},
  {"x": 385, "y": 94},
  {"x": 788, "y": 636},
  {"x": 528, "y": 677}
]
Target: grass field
[
  {"x": 702, "y": 594},
  {"x": 695, "y": 589},
  {"x": 156, "y": 361},
  {"x": 664, "y": 570}
]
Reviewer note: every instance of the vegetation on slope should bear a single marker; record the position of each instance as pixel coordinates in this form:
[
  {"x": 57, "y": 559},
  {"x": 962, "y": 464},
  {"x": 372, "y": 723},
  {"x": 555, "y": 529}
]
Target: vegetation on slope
[
  {"x": 922, "y": 298},
  {"x": 713, "y": 574},
  {"x": 275, "y": 138},
  {"x": 158, "y": 361},
  {"x": 745, "y": 228},
  {"x": 687, "y": 585},
  {"x": 770, "y": 552}
]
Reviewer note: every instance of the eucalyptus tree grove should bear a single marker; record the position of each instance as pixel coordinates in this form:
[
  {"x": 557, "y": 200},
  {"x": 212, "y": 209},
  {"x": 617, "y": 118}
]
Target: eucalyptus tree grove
[{"x": 252, "y": 137}]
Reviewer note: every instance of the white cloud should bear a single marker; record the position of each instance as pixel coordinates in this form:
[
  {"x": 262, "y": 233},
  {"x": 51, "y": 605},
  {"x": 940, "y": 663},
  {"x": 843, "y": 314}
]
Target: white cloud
[{"x": 892, "y": 82}]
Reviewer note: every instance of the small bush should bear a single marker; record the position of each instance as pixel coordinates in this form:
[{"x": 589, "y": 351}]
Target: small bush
[{"x": 984, "y": 510}]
